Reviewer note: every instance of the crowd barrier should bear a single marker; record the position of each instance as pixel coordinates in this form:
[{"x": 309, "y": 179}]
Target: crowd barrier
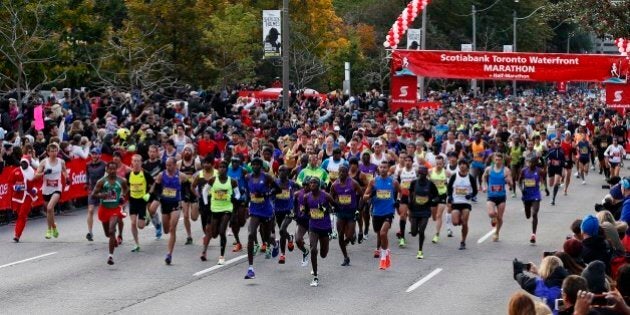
[{"x": 74, "y": 188}]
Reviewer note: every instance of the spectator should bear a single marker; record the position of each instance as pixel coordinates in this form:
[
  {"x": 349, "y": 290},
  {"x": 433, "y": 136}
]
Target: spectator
[
  {"x": 521, "y": 304},
  {"x": 545, "y": 282},
  {"x": 570, "y": 287},
  {"x": 594, "y": 245}
]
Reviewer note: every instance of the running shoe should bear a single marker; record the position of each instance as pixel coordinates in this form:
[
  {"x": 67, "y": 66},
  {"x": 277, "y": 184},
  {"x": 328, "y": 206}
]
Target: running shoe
[
  {"x": 221, "y": 261},
  {"x": 462, "y": 246},
  {"x": 89, "y": 237},
  {"x": 263, "y": 248},
  {"x": 315, "y": 282},
  {"x": 377, "y": 253},
  {"x": 281, "y": 260},
  {"x": 275, "y": 250},
  {"x": 189, "y": 241},
  {"x": 256, "y": 249},
  {"x": 203, "y": 257},
  {"x": 290, "y": 245},
  {"x": 135, "y": 249},
  {"x": 474, "y": 199},
  {"x": 365, "y": 236},
  {"x": 495, "y": 237},
  {"x": 436, "y": 239},
  {"x": 346, "y": 262},
  {"x": 16, "y": 239},
  {"x": 583, "y": 182},
  {"x": 401, "y": 243},
  {"x": 382, "y": 265},
  {"x": 48, "y": 234},
  {"x": 55, "y": 232},
  {"x": 360, "y": 239},
  {"x": 449, "y": 233},
  {"x": 268, "y": 253},
  {"x": 533, "y": 239},
  {"x": 553, "y": 202},
  {"x": 158, "y": 231},
  {"x": 237, "y": 248},
  {"x": 119, "y": 240},
  {"x": 388, "y": 258},
  {"x": 305, "y": 258},
  {"x": 513, "y": 195},
  {"x": 250, "y": 274},
  {"x": 334, "y": 235},
  {"x": 493, "y": 222},
  {"x": 110, "y": 260},
  {"x": 547, "y": 192},
  {"x": 420, "y": 256},
  {"x": 168, "y": 259}
]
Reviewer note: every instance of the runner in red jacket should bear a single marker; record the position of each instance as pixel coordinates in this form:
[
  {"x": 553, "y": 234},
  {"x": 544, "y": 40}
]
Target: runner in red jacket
[{"x": 23, "y": 193}]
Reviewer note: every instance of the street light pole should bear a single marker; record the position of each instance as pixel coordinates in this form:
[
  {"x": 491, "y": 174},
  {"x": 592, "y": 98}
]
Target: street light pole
[
  {"x": 514, "y": 18},
  {"x": 423, "y": 46},
  {"x": 285, "y": 54},
  {"x": 473, "y": 82}
]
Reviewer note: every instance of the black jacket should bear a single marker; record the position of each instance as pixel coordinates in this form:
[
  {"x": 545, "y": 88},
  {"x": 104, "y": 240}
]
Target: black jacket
[{"x": 596, "y": 248}]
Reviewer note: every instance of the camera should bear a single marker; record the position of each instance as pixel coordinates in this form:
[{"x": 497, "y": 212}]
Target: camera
[
  {"x": 546, "y": 254},
  {"x": 559, "y": 305}
]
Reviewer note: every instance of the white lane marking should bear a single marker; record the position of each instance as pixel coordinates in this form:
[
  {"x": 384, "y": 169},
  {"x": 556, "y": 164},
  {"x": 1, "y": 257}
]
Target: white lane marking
[
  {"x": 26, "y": 260},
  {"x": 423, "y": 280},
  {"x": 231, "y": 261},
  {"x": 485, "y": 237}
]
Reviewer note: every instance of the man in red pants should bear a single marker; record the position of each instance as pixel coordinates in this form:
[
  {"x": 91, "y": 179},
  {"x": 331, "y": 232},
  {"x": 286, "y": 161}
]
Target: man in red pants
[{"x": 23, "y": 193}]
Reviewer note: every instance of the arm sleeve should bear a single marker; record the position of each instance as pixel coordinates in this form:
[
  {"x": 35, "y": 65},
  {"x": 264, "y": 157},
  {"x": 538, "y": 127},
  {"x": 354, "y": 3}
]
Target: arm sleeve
[{"x": 526, "y": 282}]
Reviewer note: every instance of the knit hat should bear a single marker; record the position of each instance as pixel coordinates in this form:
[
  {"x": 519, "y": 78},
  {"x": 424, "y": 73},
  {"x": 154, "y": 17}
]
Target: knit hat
[
  {"x": 595, "y": 275},
  {"x": 573, "y": 247},
  {"x": 590, "y": 225}
]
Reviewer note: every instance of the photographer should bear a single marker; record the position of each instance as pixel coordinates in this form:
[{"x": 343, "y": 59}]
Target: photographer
[
  {"x": 613, "y": 201},
  {"x": 570, "y": 288},
  {"x": 545, "y": 282}
]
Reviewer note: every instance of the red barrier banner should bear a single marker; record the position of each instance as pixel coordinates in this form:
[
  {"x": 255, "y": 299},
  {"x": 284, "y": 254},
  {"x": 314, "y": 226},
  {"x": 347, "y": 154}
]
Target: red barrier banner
[
  {"x": 618, "y": 96},
  {"x": 75, "y": 186},
  {"x": 510, "y": 66},
  {"x": 404, "y": 92},
  {"x": 77, "y": 181}
]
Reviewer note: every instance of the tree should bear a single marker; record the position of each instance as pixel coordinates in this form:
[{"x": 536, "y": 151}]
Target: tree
[
  {"x": 28, "y": 44},
  {"x": 126, "y": 63},
  {"x": 232, "y": 44},
  {"x": 603, "y": 17}
]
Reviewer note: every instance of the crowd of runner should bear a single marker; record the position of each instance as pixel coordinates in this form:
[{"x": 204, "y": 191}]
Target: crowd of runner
[{"x": 332, "y": 166}]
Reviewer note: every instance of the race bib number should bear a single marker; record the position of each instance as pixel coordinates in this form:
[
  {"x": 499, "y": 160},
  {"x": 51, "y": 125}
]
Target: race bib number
[
  {"x": 52, "y": 182},
  {"x": 345, "y": 199},
  {"x": 604, "y": 145},
  {"x": 111, "y": 197},
  {"x": 383, "y": 194},
  {"x": 257, "y": 199},
  {"x": 19, "y": 187},
  {"x": 284, "y": 195},
  {"x": 496, "y": 188},
  {"x": 405, "y": 185},
  {"x": 137, "y": 189},
  {"x": 421, "y": 200},
  {"x": 220, "y": 195},
  {"x": 584, "y": 150},
  {"x": 169, "y": 192},
  {"x": 439, "y": 183},
  {"x": 461, "y": 191},
  {"x": 529, "y": 183},
  {"x": 317, "y": 214}
]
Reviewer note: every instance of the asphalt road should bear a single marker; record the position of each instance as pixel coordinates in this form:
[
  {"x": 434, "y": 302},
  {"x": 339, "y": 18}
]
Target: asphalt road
[{"x": 69, "y": 275}]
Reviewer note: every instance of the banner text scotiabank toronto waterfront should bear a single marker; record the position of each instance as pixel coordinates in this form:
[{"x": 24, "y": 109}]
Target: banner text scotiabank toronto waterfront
[{"x": 509, "y": 59}]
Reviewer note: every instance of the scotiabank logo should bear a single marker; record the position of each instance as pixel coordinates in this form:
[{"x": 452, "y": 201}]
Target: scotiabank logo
[
  {"x": 403, "y": 91},
  {"x": 618, "y": 96},
  {"x": 80, "y": 178},
  {"x": 4, "y": 189}
]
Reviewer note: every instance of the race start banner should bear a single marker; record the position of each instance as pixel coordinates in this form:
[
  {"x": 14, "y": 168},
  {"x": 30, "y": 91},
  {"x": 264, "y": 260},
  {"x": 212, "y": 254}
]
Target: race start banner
[
  {"x": 272, "y": 41},
  {"x": 510, "y": 66}
]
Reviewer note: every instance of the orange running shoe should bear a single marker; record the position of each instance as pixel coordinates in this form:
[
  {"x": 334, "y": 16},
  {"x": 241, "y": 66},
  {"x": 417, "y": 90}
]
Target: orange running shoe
[
  {"x": 237, "y": 248},
  {"x": 263, "y": 248},
  {"x": 388, "y": 260},
  {"x": 382, "y": 264}
]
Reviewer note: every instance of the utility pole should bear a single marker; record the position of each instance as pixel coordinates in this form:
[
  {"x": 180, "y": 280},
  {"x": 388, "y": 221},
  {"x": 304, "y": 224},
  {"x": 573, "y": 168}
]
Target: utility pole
[
  {"x": 514, "y": 48},
  {"x": 423, "y": 46},
  {"x": 473, "y": 82},
  {"x": 285, "y": 54}
]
